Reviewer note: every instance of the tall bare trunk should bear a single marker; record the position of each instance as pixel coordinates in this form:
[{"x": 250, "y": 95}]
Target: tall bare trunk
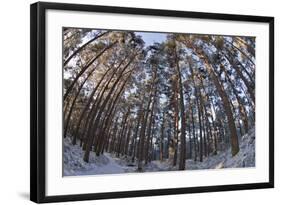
[
  {"x": 73, "y": 103},
  {"x": 194, "y": 135},
  {"x": 183, "y": 122},
  {"x": 95, "y": 124},
  {"x": 161, "y": 141},
  {"x": 197, "y": 99},
  {"x": 226, "y": 104},
  {"x": 142, "y": 133},
  {"x": 82, "y": 115},
  {"x": 242, "y": 109},
  {"x": 227, "y": 108}
]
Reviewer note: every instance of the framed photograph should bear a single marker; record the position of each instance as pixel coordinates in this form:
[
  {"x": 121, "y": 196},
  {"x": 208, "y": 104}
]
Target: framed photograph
[{"x": 129, "y": 102}]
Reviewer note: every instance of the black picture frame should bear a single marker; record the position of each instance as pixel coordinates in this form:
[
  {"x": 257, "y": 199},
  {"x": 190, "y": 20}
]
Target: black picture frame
[{"x": 38, "y": 100}]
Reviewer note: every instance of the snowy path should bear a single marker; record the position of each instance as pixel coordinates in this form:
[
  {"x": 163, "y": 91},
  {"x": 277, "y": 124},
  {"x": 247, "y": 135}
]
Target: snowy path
[
  {"x": 111, "y": 167},
  {"x": 104, "y": 164},
  {"x": 110, "y": 164}
]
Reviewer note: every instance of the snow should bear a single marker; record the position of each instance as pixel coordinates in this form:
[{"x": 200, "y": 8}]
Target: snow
[
  {"x": 110, "y": 164},
  {"x": 75, "y": 166},
  {"x": 244, "y": 158}
]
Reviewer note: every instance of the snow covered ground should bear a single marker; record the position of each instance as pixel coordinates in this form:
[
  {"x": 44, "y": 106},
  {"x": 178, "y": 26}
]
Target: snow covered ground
[
  {"x": 244, "y": 158},
  {"x": 110, "y": 164},
  {"x": 75, "y": 166}
]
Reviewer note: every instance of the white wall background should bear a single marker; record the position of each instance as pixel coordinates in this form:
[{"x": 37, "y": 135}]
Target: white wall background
[{"x": 14, "y": 103}]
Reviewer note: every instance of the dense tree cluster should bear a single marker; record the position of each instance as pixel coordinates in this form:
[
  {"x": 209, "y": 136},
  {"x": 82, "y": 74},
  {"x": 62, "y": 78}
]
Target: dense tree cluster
[{"x": 185, "y": 98}]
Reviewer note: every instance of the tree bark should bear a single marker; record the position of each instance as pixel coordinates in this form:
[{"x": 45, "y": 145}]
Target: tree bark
[
  {"x": 194, "y": 136},
  {"x": 197, "y": 97},
  {"x": 227, "y": 108},
  {"x": 226, "y": 104},
  {"x": 142, "y": 134},
  {"x": 183, "y": 122},
  {"x": 73, "y": 103},
  {"x": 94, "y": 125},
  {"x": 240, "y": 104},
  {"x": 161, "y": 141},
  {"x": 97, "y": 99}
]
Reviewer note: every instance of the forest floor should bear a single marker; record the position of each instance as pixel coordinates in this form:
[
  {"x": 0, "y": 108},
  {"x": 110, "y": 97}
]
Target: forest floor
[{"x": 110, "y": 164}]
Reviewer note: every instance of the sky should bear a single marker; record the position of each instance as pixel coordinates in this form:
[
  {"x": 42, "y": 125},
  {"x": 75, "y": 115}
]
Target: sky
[{"x": 149, "y": 38}]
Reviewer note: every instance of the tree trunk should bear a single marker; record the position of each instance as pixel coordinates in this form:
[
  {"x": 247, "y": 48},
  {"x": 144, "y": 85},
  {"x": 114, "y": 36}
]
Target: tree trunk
[
  {"x": 69, "y": 89},
  {"x": 97, "y": 99},
  {"x": 161, "y": 141},
  {"x": 197, "y": 98},
  {"x": 189, "y": 132},
  {"x": 154, "y": 88},
  {"x": 95, "y": 124},
  {"x": 123, "y": 132},
  {"x": 92, "y": 114},
  {"x": 82, "y": 47},
  {"x": 226, "y": 104},
  {"x": 183, "y": 122},
  {"x": 240, "y": 74},
  {"x": 104, "y": 125},
  {"x": 240, "y": 104},
  {"x": 126, "y": 145},
  {"x": 140, "y": 116},
  {"x": 142, "y": 134},
  {"x": 227, "y": 108},
  {"x": 194, "y": 136},
  {"x": 73, "y": 103}
]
